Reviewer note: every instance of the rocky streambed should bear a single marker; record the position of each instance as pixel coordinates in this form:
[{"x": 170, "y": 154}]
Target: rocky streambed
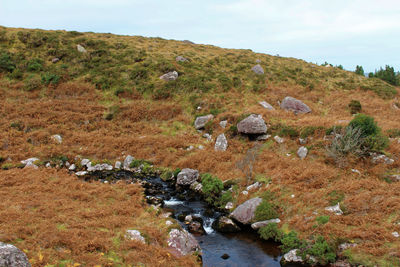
[{"x": 220, "y": 246}]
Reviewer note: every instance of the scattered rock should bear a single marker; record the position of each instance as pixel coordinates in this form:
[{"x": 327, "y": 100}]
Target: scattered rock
[
  {"x": 196, "y": 227},
  {"x": 381, "y": 159},
  {"x": 201, "y": 121},
  {"x": 100, "y": 167},
  {"x": 196, "y": 186},
  {"x": 29, "y": 161},
  {"x": 223, "y": 124},
  {"x": 335, "y": 209},
  {"x": 57, "y": 138},
  {"x": 208, "y": 136},
  {"x": 201, "y": 147},
  {"x": 245, "y": 192},
  {"x": 395, "y": 177},
  {"x": 257, "y": 69},
  {"x": 48, "y": 165},
  {"x": 278, "y": 139},
  {"x": 345, "y": 246},
  {"x": 11, "y": 256},
  {"x": 55, "y": 60},
  {"x": 302, "y": 152},
  {"x": 180, "y": 59},
  {"x": 81, "y": 173},
  {"x": 72, "y": 167},
  {"x": 292, "y": 104},
  {"x": 81, "y": 48},
  {"x": 229, "y": 206},
  {"x": 253, "y": 124},
  {"x": 117, "y": 165},
  {"x": 190, "y": 148},
  {"x": 244, "y": 213},
  {"x": 85, "y": 162},
  {"x": 221, "y": 144},
  {"x": 266, "y": 105},
  {"x": 225, "y": 256},
  {"x": 303, "y": 141},
  {"x": 396, "y": 234},
  {"x": 135, "y": 235},
  {"x": 187, "y": 177},
  {"x": 263, "y": 137},
  {"x": 341, "y": 263},
  {"x": 127, "y": 162},
  {"x": 170, "y": 76},
  {"x": 254, "y": 186},
  {"x": 225, "y": 225},
  {"x": 356, "y": 171},
  {"x": 182, "y": 242},
  {"x": 169, "y": 223},
  {"x": 258, "y": 225}
]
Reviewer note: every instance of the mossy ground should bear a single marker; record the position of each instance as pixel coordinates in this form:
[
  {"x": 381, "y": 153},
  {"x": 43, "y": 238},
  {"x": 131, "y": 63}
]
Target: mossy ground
[{"x": 154, "y": 119}]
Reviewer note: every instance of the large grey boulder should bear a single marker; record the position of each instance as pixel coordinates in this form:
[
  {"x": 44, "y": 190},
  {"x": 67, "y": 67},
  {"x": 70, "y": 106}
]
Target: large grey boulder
[
  {"x": 253, "y": 124},
  {"x": 182, "y": 243},
  {"x": 170, "y": 76},
  {"x": 187, "y": 177},
  {"x": 257, "y": 69},
  {"x": 222, "y": 143},
  {"x": 201, "y": 121},
  {"x": 11, "y": 256},
  {"x": 244, "y": 213},
  {"x": 295, "y": 105},
  {"x": 81, "y": 49}
]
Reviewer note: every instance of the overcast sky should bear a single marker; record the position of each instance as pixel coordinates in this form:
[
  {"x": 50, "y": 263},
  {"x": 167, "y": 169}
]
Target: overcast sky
[{"x": 347, "y": 32}]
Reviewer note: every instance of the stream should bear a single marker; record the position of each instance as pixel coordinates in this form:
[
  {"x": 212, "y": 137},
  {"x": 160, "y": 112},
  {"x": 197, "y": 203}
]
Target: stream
[{"x": 243, "y": 249}]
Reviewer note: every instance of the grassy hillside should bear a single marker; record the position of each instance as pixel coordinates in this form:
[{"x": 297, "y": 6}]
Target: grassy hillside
[{"x": 109, "y": 102}]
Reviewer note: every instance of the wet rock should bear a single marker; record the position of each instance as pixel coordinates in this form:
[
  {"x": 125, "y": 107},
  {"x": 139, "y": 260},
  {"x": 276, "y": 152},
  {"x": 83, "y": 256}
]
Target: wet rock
[
  {"x": 81, "y": 49},
  {"x": 127, "y": 162},
  {"x": 266, "y": 105},
  {"x": 223, "y": 124},
  {"x": 291, "y": 256},
  {"x": 257, "y": 69},
  {"x": 196, "y": 186},
  {"x": 201, "y": 121},
  {"x": 57, "y": 138},
  {"x": 182, "y": 243},
  {"x": 244, "y": 213},
  {"x": 187, "y": 177},
  {"x": 222, "y": 143},
  {"x": 278, "y": 139},
  {"x": 170, "y": 76},
  {"x": 295, "y": 105},
  {"x": 180, "y": 59},
  {"x": 335, "y": 209},
  {"x": 135, "y": 235},
  {"x": 225, "y": 225},
  {"x": 81, "y": 173},
  {"x": 302, "y": 152},
  {"x": 117, "y": 165},
  {"x": 11, "y": 256},
  {"x": 258, "y": 225},
  {"x": 225, "y": 256},
  {"x": 253, "y": 124},
  {"x": 196, "y": 227}
]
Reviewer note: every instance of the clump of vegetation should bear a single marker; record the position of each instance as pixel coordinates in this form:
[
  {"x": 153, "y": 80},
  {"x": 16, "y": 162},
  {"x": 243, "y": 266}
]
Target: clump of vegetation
[
  {"x": 393, "y": 133},
  {"x": 289, "y": 131},
  {"x": 50, "y": 78},
  {"x": 6, "y": 63},
  {"x": 388, "y": 75},
  {"x": 360, "y": 70},
  {"x": 212, "y": 187},
  {"x": 355, "y": 106},
  {"x": 266, "y": 210},
  {"x": 271, "y": 232},
  {"x": 112, "y": 112},
  {"x": 321, "y": 250},
  {"x": 310, "y": 130},
  {"x": 322, "y": 219}
]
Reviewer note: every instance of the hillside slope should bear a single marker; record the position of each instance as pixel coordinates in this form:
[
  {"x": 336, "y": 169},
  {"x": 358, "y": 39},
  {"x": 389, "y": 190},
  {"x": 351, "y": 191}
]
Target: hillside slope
[{"x": 109, "y": 102}]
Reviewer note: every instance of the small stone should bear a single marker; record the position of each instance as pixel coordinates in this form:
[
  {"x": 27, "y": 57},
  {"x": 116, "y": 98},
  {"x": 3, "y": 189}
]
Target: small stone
[
  {"x": 201, "y": 121},
  {"x": 170, "y": 76},
  {"x": 182, "y": 243},
  {"x": 57, "y": 138},
  {"x": 48, "y": 165},
  {"x": 295, "y": 105},
  {"x": 258, "y": 225},
  {"x": 225, "y": 256},
  {"x": 253, "y": 124},
  {"x": 356, "y": 171},
  {"x": 208, "y": 136},
  {"x": 81, "y": 173},
  {"x": 84, "y": 162},
  {"x": 263, "y": 137},
  {"x": 302, "y": 152},
  {"x": 81, "y": 48},
  {"x": 257, "y": 69},
  {"x": 187, "y": 177},
  {"x": 135, "y": 235},
  {"x": 55, "y": 60},
  {"x": 396, "y": 234},
  {"x": 266, "y": 105},
  {"x": 381, "y": 159},
  {"x": 245, "y": 212},
  {"x": 190, "y": 148},
  {"x": 72, "y": 167},
  {"x": 229, "y": 206},
  {"x": 303, "y": 141},
  {"x": 254, "y": 186},
  {"x": 29, "y": 161},
  {"x": 117, "y": 165},
  {"x": 168, "y": 223},
  {"x": 278, "y": 139},
  {"x": 188, "y": 218},
  {"x": 291, "y": 256},
  {"x": 127, "y": 162},
  {"x": 180, "y": 59},
  {"x": 201, "y": 147},
  {"x": 223, "y": 124},
  {"x": 345, "y": 246},
  {"x": 221, "y": 144},
  {"x": 292, "y": 196},
  {"x": 335, "y": 209},
  {"x": 245, "y": 192}
]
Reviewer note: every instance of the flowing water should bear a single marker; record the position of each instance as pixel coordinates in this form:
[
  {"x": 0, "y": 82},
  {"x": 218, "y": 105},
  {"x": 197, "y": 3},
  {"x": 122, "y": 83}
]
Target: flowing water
[{"x": 244, "y": 248}]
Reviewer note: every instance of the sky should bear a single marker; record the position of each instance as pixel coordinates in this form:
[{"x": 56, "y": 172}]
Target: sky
[{"x": 340, "y": 32}]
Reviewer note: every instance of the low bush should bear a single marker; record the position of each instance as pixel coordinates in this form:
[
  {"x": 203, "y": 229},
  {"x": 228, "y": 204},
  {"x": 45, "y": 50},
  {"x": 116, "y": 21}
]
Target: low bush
[
  {"x": 50, "y": 78},
  {"x": 265, "y": 211},
  {"x": 32, "y": 83},
  {"x": 35, "y": 64},
  {"x": 212, "y": 187},
  {"x": 6, "y": 62},
  {"x": 291, "y": 241},
  {"x": 321, "y": 250},
  {"x": 393, "y": 133},
  {"x": 112, "y": 112},
  {"x": 355, "y": 106},
  {"x": 271, "y": 232}
]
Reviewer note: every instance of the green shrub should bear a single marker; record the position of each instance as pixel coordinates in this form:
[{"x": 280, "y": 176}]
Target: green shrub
[
  {"x": 6, "y": 63},
  {"x": 322, "y": 219},
  {"x": 32, "y": 83},
  {"x": 265, "y": 211},
  {"x": 288, "y": 131},
  {"x": 112, "y": 112},
  {"x": 355, "y": 106},
  {"x": 393, "y": 133},
  {"x": 271, "y": 232},
  {"x": 212, "y": 187},
  {"x": 334, "y": 129},
  {"x": 50, "y": 78},
  {"x": 136, "y": 163},
  {"x": 225, "y": 198},
  {"x": 321, "y": 250},
  {"x": 17, "y": 74},
  {"x": 35, "y": 64},
  {"x": 309, "y": 131},
  {"x": 291, "y": 241}
]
